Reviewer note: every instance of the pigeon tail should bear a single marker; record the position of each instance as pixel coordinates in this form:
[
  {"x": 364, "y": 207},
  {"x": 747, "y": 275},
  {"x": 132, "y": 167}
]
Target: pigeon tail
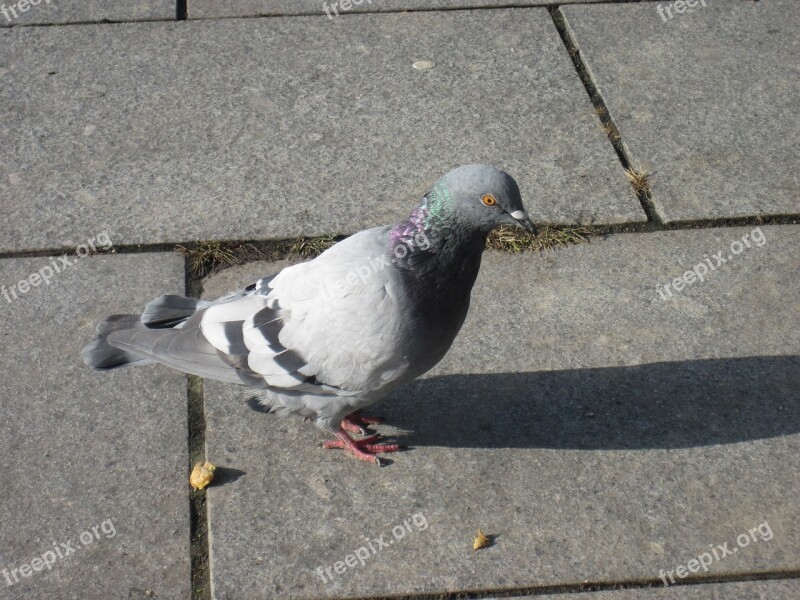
[
  {"x": 165, "y": 312},
  {"x": 170, "y": 311},
  {"x": 102, "y": 356}
]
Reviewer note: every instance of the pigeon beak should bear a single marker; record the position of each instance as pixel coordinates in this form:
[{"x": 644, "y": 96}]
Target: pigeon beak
[{"x": 524, "y": 221}]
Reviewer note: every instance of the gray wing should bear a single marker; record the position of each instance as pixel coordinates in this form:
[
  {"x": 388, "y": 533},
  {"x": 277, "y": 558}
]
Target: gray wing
[
  {"x": 336, "y": 319},
  {"x": 329, "y": 326}
]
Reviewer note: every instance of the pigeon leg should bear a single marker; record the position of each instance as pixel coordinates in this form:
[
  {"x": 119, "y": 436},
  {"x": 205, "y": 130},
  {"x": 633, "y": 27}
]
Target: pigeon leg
[
  {"x": 357, "y": 424},
  {"x": 363, "y": 449}
]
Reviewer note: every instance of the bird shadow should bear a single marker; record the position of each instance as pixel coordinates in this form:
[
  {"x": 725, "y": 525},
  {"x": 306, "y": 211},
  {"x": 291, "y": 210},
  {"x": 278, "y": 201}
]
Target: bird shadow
[{"x": 659, "y": 405}]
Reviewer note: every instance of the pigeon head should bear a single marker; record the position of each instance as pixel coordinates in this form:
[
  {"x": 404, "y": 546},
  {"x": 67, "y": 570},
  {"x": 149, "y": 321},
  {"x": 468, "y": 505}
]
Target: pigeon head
[
  {"x": 461, "y": 208},
  {"x": 481, "y": 198}
]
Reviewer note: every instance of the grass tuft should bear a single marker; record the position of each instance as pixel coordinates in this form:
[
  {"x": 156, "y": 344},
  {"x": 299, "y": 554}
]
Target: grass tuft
[
  {"x": 640, "y": 180},
  {"x": 308, "y": 247},
  {"x": 205, "y": 258},
  {"x": 510, "y": 238},
  {"x": 607, "y": 125}
]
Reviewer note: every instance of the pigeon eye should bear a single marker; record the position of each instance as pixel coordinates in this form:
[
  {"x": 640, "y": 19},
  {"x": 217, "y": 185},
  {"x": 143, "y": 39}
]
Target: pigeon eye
[{"x": 489, "y": 200}]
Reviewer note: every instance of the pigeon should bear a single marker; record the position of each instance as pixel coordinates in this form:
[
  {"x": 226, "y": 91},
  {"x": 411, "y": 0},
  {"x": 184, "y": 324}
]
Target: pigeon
[{"x": 326, "y": 338}]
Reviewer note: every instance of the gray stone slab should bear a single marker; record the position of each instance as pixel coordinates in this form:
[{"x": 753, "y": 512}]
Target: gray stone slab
[
  {"x": 600, "y": 432},
  {"x": 273, "y": 128},
  {"x": 84, "y": 450},
  {"x": 209, "y": 9},
  {"x": 51, "y": 12},
  {"x": 788, "y": 589},
  {"x": 707, "y": 99}
]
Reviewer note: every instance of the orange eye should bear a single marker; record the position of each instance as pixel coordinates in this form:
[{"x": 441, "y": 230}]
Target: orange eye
[{"x": 489, "y": 200}]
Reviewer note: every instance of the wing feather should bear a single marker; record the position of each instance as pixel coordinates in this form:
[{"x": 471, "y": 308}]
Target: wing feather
[{"x": 329, "y": 327}]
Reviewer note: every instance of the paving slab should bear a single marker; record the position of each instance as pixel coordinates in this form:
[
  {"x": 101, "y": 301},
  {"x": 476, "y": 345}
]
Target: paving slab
[
  {"x": 57, "y": 12},
  {"x": 209, "y": 9},
  {"x": 707, "y": 99},
  {"x": 274, "y": 128},
  {"x": 94, "y": 473},
  {"x": 599, "y": 432},
  {"x": 750, "y": 590}
]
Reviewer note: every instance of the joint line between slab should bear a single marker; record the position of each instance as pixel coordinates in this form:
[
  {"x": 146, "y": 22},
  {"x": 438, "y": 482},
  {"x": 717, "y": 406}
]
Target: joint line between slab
[
  {"x": 279, "y": 248},
  {"x": 181, "y": 13},
  {"x": 416, "y": 9},
  {"x": 198, "y": 512},
  {"x": 591, "y": 587},
  {"x": 100, "y": 22},
  {"x": 601, "y": 109}
]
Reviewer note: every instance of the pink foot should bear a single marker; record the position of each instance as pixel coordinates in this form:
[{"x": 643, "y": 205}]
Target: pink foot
[
  {"x": 357, "y": 424},
  {"x": 363, "y": 449}
]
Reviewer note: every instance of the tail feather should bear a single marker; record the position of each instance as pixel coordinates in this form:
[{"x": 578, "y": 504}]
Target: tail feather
[
  {"x": 165, "y": 312},
  {"x": 169, "y": 311},
  {"x": 118, "y": 322},
  {"x": 102, "y": 356}
]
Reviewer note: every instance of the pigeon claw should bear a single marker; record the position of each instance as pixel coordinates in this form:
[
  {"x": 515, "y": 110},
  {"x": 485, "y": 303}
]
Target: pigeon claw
[
  {"x": 357, "y": 424},
  {"x": 364, "y": 448}
]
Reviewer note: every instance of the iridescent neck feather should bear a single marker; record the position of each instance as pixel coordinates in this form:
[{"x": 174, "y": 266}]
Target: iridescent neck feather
[{"x": 433, "y": 215}]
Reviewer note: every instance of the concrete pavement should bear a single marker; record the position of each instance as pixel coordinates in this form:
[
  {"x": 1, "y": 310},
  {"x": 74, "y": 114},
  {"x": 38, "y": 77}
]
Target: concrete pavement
[{"x": 614, "y": 413}]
